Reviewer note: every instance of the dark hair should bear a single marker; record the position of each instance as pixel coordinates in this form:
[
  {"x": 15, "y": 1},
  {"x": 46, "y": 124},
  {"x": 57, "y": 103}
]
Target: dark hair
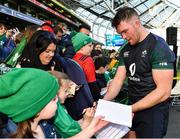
[
  {"x": 95, "y": 44},
  {"x": 95, "y": 53},
  {"x": 41, "y": 40},
  {"x": 38, "y": 43},
  {"x": 124, "y": 13},
  {"x": 85, "y": 26},
  {"x": 2, "y": 25}
]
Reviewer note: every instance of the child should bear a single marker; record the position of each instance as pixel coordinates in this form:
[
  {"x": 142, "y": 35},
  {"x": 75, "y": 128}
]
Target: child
[
  {"x": 67, "y": 88},
  {"x": 28, "y": 96},
  {"x": 101, "y": 65},
  {"x": 83, "y": 47}
]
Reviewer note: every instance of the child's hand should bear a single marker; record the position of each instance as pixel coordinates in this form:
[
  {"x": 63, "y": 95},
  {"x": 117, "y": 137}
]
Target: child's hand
[
  {"x": 88, "y": 116},
  {"x": 89, "y": 112}
]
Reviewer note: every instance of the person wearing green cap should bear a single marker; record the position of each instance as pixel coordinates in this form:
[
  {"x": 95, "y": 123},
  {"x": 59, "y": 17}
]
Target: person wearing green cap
[
  {"x": 82, "y": 44},
  {"x": 27, "y": 97}
]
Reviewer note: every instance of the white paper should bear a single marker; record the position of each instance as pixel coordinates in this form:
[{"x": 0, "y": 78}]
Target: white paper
[
  {"x": 112, "y": 131},
  {"x": 115, "y": 112}
]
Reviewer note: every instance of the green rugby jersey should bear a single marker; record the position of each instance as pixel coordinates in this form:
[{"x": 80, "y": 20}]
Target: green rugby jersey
[{"x": 152, "y": 53}]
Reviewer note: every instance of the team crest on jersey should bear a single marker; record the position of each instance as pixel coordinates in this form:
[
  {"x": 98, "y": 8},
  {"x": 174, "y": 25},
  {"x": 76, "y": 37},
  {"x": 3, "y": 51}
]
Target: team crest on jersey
[
  {"x": 126, "y": 54},
  {"x": 144, "y": 53}
]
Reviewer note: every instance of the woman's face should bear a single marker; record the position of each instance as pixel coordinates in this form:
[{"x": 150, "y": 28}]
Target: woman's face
[
  {"x": 49, "y": 110},
  {"x": 46, "y": 56}
]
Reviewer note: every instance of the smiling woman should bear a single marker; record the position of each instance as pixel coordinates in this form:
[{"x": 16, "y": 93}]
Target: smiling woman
[
  {"x": 39, "y": 52},
  {"x": 47, "y": 55}
]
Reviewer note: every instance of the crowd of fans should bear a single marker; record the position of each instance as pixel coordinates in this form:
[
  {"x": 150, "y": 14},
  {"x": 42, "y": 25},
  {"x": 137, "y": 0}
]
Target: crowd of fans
[{"x": 54, "y": 76}]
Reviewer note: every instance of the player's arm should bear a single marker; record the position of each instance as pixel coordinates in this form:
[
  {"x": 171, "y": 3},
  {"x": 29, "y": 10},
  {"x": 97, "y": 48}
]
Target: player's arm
[
  {"x": 163, "y": 80},
  {"x": 116, "y": 83}
]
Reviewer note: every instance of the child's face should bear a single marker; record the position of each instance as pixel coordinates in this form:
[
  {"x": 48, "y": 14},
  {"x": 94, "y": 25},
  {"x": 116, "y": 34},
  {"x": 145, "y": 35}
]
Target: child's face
[
  {"x": 49, "y": 110},
  {"x": 66, "y": 90},
  {"x": 88, "y": 48}
]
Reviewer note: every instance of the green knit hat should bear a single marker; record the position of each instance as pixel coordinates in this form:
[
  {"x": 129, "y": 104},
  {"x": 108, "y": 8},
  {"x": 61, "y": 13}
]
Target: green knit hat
[
  {"x": 79, "y": 40},
  {"x": 25, "y": 91}
]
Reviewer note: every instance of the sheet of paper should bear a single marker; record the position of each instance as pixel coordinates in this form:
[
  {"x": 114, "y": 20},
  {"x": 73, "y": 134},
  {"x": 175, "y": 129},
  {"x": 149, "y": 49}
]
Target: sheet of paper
[
  {"x": 115, "y": 112},
  {"x": 112, "y": 131}
]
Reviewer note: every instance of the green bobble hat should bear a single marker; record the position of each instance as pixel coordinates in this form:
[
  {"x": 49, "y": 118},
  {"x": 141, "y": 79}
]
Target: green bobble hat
[
  {"x": 24, "y": 92},
  {"x": 79, "y": 40}
]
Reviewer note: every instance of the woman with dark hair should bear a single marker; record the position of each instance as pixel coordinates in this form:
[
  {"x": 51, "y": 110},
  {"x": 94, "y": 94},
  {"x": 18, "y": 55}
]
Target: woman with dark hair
[{"x": 39, "y": 52}]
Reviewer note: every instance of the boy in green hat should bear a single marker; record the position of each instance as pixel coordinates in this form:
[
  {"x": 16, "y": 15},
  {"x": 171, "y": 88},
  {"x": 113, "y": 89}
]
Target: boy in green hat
[{"x": 82, "y": 44}]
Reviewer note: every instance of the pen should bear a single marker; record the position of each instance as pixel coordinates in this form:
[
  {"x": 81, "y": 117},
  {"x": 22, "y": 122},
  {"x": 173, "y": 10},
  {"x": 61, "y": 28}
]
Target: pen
[{"x": 84, "y": 111}]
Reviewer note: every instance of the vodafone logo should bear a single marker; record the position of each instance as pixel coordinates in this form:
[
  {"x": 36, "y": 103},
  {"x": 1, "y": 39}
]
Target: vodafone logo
[{"x": 132, "y": 69}]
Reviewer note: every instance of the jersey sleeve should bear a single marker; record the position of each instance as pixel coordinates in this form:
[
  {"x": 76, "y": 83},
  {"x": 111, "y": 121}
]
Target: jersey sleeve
[
  {"x": 162, "y": 57},
  {"x": 121, "y": 59}
]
